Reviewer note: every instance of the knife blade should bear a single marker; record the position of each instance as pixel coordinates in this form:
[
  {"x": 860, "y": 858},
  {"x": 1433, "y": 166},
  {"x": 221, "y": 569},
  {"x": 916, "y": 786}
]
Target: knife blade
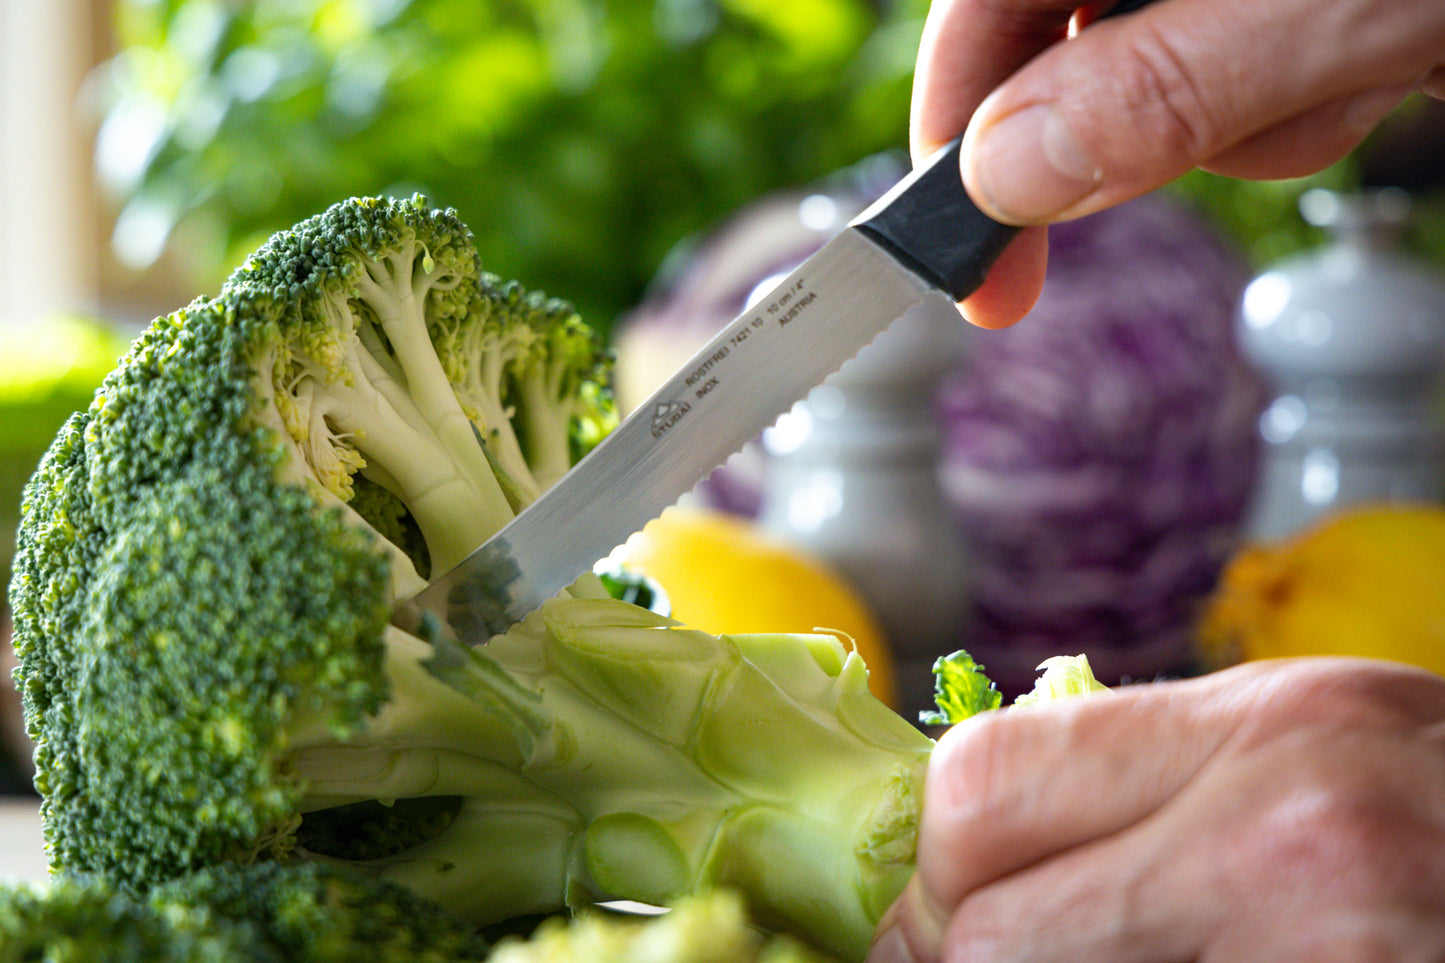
[{"x": 924, "y": 238}]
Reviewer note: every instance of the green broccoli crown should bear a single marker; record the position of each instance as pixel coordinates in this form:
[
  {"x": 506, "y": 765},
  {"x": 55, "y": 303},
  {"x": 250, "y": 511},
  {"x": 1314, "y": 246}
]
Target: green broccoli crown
[
  {"x": 176, "y": 605},
  {"x": 209, "y": 554}
]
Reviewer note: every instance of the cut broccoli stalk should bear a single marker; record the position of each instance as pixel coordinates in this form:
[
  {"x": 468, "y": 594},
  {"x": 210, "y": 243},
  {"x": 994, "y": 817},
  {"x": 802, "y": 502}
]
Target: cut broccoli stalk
[{"x": 599, "y": 753}]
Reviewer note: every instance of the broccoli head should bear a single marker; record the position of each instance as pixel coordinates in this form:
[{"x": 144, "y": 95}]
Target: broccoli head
[{"x": 211, "y": 556}]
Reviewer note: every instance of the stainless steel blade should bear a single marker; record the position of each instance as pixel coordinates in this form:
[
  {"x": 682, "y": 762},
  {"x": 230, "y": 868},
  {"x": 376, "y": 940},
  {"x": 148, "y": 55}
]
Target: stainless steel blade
[
  {"x": 924, "y": 236},
  {"x": 742, "y": 381}
]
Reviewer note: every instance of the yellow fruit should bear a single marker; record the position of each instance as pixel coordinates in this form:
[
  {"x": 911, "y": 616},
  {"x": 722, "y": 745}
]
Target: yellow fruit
[
  {"x": 1369, "y": 581},
  {"x": 723, "y": 574}
]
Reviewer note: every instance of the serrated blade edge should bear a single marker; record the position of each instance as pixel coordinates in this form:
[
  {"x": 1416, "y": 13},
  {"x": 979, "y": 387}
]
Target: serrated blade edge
[{"x": 742, "y": 381}]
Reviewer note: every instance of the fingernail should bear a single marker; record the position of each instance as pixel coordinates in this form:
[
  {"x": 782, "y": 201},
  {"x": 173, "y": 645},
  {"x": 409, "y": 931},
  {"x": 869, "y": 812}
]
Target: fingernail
[
  {"x": 889, "y": 946},
  {"x": 1029, "y": 167}
]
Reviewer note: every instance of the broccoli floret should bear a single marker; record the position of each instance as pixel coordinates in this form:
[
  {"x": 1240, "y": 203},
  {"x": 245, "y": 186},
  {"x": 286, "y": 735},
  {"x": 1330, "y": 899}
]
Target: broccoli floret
[
  {"x": 314, "y": 913},
  {"x": 531, "y": 378},
  {"x": 263, "y": 913},
  {"x": 380, "y": 348},
  {"x": 84, "y": 919},
  {"x": 211, "y": 555}
]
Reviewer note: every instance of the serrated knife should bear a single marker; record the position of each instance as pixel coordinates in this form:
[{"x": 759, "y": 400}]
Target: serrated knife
[{"x": 924, "y": 238}]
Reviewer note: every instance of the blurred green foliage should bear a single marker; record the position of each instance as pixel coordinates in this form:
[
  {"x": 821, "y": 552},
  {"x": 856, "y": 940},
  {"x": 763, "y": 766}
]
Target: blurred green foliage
[
  {"x": 1407, "y": 151},
  {"x": 49, "y": 369},
  {"x": 580, "y": 139}
]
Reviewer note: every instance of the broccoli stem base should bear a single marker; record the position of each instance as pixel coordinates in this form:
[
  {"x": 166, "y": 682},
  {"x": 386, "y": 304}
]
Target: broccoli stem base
[{"x": 600, "y": 752}]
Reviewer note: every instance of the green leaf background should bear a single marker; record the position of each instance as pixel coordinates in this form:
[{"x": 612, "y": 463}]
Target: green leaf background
[{"x": 581, "y": 139}]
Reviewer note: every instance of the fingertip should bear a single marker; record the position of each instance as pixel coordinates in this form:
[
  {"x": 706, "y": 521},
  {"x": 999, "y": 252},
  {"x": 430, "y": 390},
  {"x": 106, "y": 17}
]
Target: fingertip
[
  {"x": 1434, "y": 83},
  {"x": 1013, "y": 284},
  {"x": 1025, "y": 165},
  {"x": 889, "y": 946},
  {"x": 920, "y": 150},
  {"x": 910, "y": 931}
]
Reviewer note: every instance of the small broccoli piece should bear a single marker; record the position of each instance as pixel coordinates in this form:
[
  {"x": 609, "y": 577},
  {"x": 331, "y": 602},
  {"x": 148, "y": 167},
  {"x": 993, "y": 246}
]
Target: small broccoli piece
[
  {"x": 1062, "y": 677},
  {"x": 315, "y": 913},
  {"x": 961, "y": 690},
  {"x": 263, "y": 913},
  {"x": 84, "y": 919},
  {"x": 209, "y": 561},
  {"x": 707, "y": 928}
]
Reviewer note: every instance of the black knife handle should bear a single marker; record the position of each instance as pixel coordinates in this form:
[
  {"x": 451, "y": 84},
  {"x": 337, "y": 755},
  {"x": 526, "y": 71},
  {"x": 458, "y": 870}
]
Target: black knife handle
[{"x": 930, "y": 224}]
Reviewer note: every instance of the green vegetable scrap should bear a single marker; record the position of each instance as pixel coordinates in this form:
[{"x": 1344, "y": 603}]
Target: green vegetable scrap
[
  {"x": 1063, "y": 676},
  {"x": 961, "y": 690}
]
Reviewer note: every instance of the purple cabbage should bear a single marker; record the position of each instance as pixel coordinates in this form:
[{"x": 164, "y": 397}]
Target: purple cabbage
[{"x": 1100, "y": 454}]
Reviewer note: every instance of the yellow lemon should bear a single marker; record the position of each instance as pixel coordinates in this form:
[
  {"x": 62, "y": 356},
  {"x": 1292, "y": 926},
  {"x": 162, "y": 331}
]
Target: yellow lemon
[
  {"x": 723, "y": 574},
  {"x": 1366, "y": 581}
]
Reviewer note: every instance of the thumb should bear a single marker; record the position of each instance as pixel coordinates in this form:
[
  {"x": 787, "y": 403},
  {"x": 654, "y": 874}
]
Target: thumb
[{"x": 1246, "y": 88}]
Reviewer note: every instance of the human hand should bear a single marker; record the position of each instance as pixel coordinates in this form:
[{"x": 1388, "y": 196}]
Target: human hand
[
  {"x": 1247, "y": 88},
  {"x": 1290, "y": 810}
]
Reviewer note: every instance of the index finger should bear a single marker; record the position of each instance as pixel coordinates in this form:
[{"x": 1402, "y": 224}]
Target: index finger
[{"x": 968, "y": 48}]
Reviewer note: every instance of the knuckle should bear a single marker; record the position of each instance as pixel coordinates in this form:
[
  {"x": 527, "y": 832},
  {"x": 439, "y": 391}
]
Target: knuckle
[
  {"x": 1154, "y": 80},
  {"x": 1338, "y": 835},
  {"x": 982, "y": 767},
  {"x": 1339, "y": 692}
]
